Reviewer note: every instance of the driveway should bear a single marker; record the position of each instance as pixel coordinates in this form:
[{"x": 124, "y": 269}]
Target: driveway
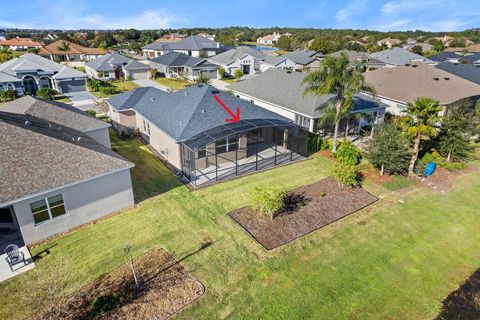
[
  {"x": 219, "y": 84},
  {"x": 82, "y": 100},
  {"x": 150, "y": 83}
]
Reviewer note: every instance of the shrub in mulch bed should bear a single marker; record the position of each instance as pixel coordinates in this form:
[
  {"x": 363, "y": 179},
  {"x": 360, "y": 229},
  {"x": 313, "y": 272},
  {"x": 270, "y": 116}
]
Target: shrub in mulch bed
[
  {"x": 165, "y": 289},
  {"x": 307, "y": 209}
]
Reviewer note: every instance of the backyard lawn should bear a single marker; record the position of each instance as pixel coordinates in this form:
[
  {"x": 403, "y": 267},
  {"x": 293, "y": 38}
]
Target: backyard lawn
[
  {"x": 392, "y": 260},
  {"x": 172, "y": 84},
  {"x": 121, "y": 85}
]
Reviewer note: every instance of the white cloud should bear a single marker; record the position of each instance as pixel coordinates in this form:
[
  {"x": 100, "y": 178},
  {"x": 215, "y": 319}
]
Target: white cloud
[{"x": 354, "y": 8}]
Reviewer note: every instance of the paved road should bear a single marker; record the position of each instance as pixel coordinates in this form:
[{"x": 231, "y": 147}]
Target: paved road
[
  {"x": 150, "y": 83},
  {"x": 82, "y": 100}
]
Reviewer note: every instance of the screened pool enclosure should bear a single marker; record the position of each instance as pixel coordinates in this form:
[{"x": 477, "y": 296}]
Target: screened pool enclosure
[{"x": 238, "y": 148}]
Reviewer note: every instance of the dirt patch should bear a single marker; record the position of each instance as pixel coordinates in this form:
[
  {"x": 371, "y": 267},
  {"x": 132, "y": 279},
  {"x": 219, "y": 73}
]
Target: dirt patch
[
  {"x": 165, "y": 289},
  {"x": 442, "y": 180},
  {"x": 374, "y": 176},
  {"x": 463, "y": 303},
  {"x": 327, "y": 154},
  {"x": 309, "y": 208}
]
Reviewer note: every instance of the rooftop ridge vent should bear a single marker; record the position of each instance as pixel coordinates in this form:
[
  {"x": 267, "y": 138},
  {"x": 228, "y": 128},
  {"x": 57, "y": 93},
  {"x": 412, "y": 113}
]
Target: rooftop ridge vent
[{"x": 436, "y": 79}]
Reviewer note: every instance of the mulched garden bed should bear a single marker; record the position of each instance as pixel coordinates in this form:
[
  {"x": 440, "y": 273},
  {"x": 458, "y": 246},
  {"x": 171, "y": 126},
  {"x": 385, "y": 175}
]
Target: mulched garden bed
[
  {"x": 308, "y": 208},
  {"x": 165, "y": 289}
]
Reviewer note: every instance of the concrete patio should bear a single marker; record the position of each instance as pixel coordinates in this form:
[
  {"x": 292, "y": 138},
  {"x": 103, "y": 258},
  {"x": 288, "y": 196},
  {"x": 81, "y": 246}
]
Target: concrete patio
[{"x": 6, "y": 273}]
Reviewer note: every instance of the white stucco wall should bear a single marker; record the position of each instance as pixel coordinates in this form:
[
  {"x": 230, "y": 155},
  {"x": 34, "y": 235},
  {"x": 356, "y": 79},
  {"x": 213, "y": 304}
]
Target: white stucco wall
[{"x": 84, "y": 202}]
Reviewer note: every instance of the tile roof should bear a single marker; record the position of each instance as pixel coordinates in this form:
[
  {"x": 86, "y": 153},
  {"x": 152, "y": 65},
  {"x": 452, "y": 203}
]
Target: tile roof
[
  {"x": 56, "y": 112},
  {"x": 20, "y": 42},
  {"x": 399, "y": 57},
  {"x": 467, "y": 71},
  {"x": 188, "y": 112},
  {"x": 75, "y": 49},
  {"x": 285, "y": 89},
  {"x": 405, "y": 83},
  {"x": 38, "y": 155}
]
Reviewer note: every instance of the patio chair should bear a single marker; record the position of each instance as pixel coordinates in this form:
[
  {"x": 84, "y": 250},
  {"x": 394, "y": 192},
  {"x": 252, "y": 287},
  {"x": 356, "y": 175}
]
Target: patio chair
[{"x": 14, "y": 256}]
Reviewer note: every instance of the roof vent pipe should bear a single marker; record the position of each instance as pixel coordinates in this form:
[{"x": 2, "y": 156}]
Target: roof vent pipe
[{"x": 27, "y": 123}]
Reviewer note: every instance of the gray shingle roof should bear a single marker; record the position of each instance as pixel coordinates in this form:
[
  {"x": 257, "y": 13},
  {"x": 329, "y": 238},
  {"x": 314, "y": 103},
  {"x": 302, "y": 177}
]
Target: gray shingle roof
[
  {"x": 192, "y": 43},
  {"x": 37, "y": 156},
  {"x": 178, "y": 59},
  {"x": 231, "y": 55},
  {"x": 67, "y": 73},
  {"x": 136, "y": 65},
  {"x": 285, "y": 89},
  {"x": 107, "y": 61},
  {"x": 188, "y": 112},
  {"x": 303, "y": 57},
  {"x": 274, "y": 60},
  {"x": 467, "y": 71},
  {"x": 444, "y": 56},
  {"x": 60, "y": 113},
  {"x": 4, "y": 78},
  {"x": 399, "y": 57}
]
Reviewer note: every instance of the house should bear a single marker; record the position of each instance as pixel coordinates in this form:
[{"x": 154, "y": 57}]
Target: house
[
  {"x": 401, "y": 85},
  {"x": 360, "y": 57},
  {"x": 399, "y": 57},
  {"x": 425, "y": 46},
  {"x": 305, "y": 59},
  {"x": 281, "y": 91},
  {"x": 474, "y": 48},
  {"x": 35, "y": 72},
  {"x": 389, "y": 42},
  {"x": 467, "y": 71},
  {"x": 190, "y": 130},
  {"x": 54, "y": 177},
  {"x": 195, "y": 46},
  {"x": 62, "y": 113},
  {"x": 172, "y": 37},
  {"x": 280, "y": 62},
  {"x": 76, "y": 52},
  {"x": 241, "y": 58},
  {"x": 113, "y": 66},
  {"x": 270, "y": 39},
  {"x": 18, "y": 44},
  {"x": 207, "y": 35},
  {"x": 179, "y": 65},
  {"x": 456, "y": 57},
  {"x": 50, "y": 37}
]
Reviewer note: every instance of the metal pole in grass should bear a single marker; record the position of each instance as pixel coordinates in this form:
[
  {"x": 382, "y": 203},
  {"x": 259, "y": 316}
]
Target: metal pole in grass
[{"x": 128, "y": 250}]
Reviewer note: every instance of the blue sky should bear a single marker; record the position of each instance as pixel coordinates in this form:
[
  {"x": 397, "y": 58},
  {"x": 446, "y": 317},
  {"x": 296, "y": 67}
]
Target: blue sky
[{"x": 384, "y": 15}]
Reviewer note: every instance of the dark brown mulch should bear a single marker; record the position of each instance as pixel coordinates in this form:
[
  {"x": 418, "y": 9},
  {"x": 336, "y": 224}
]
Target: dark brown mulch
[
  {"x": 307, "y": 211},
  {"x": 463, "y": 303},
  {"x": 165, "y": 289}
]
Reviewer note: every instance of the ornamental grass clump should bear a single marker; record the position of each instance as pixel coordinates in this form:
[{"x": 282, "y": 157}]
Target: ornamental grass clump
[{"x": 267, "y": 200}]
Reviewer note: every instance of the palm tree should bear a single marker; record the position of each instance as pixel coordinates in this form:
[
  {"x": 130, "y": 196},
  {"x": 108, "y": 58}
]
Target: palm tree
[
  {"x": 65, "y": 47},
  {"x": 5, "y": 54},
  {"x": 338, "y": 77},
  {"x": 421, "y": 120}
]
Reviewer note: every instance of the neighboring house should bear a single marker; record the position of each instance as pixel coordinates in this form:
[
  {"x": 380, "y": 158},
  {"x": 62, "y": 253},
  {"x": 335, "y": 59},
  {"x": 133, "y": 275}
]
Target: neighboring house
[
  {"x": 61, "y": 113},
  {"x": 399, "y": 86},
  {"x": 195, "y": 46},
  {"x": 55, "y": 178},
  {"x": 360, "y": 57},
  {"x": 425, "y": 46},
  {"x": 475, "y": 48},
  {"x": 50, "y": 37},
  {"x": 467, "y": 71},
  {"x": 389, "y": 42},
  {"x": 305, "y": 59},
  {"x": 172, "y": 37},
  {"x": 113, "y": 66},
  {"x": 35, "y": 72},
  {"x": 76, "y": 52},
  {"x": 399, "y": 57},
  {"x": 189, "y": 129},
  {"x": 279, "y": 62},
  {"x": 270, "y": 39},
  {"x": 18, "y": 44},
  {"x": 8, "y": 82},
  {"x": 456, "y": 57},
  {"x": 207, "y": 35},
  {"x": 281, "y": 91},
  {"x": 242, "y": 58},
  {"x": 179, "y": 65}
]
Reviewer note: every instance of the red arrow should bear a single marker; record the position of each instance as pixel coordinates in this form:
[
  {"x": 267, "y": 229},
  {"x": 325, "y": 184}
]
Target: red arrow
[{"x": 234, "y": 117}]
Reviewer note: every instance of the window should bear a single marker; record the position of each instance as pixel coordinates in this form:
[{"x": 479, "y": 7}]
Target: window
[
  {"x": 148, "y": 128},
  {"x": 48, "y": 208},
  {"x": 226, "y": 145}
]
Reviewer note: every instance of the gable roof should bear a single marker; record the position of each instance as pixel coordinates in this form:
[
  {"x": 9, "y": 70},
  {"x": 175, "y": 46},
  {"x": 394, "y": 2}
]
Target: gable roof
[
  {"x": 20, "y": 42},
  {"x": 75, "y": 49},
  {"x": 38, "y": 155},
  {"x": 136, "y": 65},
  {"x": 5, "y": 78},
  {"x": 188, "y": 112},
  {"x": 107, "y": 61},
  {"x": 453, "y": 56},
  {"x": 467, "y": 71},
  {"x": 399, "y": 57},
  {"x": 232, "y": 55},
  {"x": 405, "y": 83},
  {"x": 56, "y": 112},
  {"x": 274, "y": 60},
  {"x": 192, "y": 43},
  {"x": 303, "y": 57},
  {"x": 285, "y": 89}
]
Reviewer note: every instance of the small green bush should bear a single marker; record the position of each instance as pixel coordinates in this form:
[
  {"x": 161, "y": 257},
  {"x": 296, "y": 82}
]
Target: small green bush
[
  {"x": 347, "y": 153},
  {"x": 222, "y": 72},
  {"x": 93, "y": 85},
  {"x": 202, "y": 79},
  {"x": 102, "y": 304},
  {"x": 46, "y": 93},
  {"x": 109, "y": 89},
  {"x": 153, "y": 73},
  {"x": 267, "y": 200},
  {"x": 8, "y": 95},
  {"x": 399, "y": 182},
  {"x": 345, "y": 174},
  {"x": 238, "y": 74}
]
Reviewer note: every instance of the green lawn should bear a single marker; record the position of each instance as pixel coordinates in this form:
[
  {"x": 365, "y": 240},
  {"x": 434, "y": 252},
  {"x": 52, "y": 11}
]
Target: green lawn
[
  {"x": 63, "y": 99},
  {"x": 121, "y": 85},
  {"x": 393, "y": 260},
  {"x": 81, "y": 69},
  {"x": 172, "y": 84},
  {"x": 230, "y": 80}
]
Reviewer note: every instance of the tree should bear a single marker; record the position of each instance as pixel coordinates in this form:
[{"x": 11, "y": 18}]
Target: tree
[
  {"x": 420, "y": 119},
  {"x": 65, "y": 48},
  {"x": 388, "y": 149},
  {"x": 5, "y": 54},
  {"x": 222, "y": 72},
  {"x": 238, "y": 74},
  {"x": 153, "y": 73},
  {"x": 457, "y": 128},
  {"x": 417, "y": 49},
  {"x": 46, "y": 93},
  {"x": 284, "y": 43},
  {"x": 202, "y": 79},
  {"x": 348, "y": 153},
  {"x": 335, "y": 76}
]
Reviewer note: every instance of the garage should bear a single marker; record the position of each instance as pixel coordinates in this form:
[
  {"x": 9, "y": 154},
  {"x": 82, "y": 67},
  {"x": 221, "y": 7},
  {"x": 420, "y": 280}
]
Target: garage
[
  {"x": 139, "y": 74},
  {"x": 135, "y": 70},
  {"x": 71, "y": 85},
  {"x": 211, "y": 74}
]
